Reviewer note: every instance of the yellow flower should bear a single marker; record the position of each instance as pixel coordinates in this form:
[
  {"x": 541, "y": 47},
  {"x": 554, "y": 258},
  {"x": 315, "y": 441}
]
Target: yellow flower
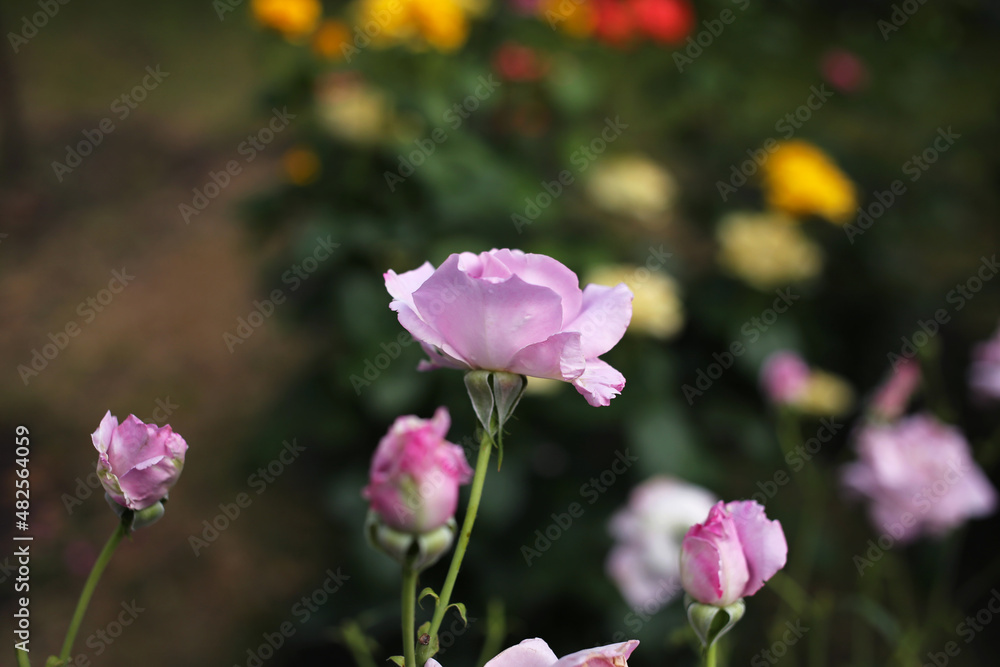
[
  {"x": 632, "y": 185},
  {"x": 657, "y": 309},
  {"x": 292, "y": 18},
  {"x": 351, "y": 109},
  {"x": 825, "y": 395},
  {"x": 766, "y": 250},
  {"x": 330, "y": 39},
  {"x": 800, "y": 179},
  {"x": 440, "y": 24},
  {"x": 542, "y": 386},
  {"x": 301, "y": 165},
  {"x": 574, "y": 17}
]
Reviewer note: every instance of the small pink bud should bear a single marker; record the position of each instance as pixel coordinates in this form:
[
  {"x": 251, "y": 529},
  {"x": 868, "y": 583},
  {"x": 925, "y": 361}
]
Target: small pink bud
[{"x": 784, "y": 377}]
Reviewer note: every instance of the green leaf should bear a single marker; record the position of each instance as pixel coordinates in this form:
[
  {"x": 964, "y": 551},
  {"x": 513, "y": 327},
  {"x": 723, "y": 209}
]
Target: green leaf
[
  {"x": 399, "y": 660},
  {"x": 424, "y": 593},
  {"x": 461, "y": 611}
]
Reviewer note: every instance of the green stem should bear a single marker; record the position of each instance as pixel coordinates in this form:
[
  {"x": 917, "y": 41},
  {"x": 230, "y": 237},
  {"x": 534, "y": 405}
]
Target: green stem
[
  {"x": 357, "y": 644},
  {"x": 88, "y": 589},
  {"x": 710, "y": 654},
  {"x": 409, "y": 612},
  {"x": 22, "y": 658},
  {"x": 482, "y": 463},
  {"x": 496, "y": 628}
]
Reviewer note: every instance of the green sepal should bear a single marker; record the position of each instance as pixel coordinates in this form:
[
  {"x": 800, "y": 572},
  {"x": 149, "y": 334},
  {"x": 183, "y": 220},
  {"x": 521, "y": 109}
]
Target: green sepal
[
  {"x": 710, "y": 622},
  {"x": 424, "y": 593},
  {"x": 461, "y": 611},
  {"x": 398, "y": 659},
  {"x": 477, "y": 383}
]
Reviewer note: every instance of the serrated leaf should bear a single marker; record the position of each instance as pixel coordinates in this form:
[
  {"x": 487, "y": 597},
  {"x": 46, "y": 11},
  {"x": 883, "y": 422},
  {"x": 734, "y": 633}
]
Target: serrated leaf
[
  {"x": 424, "y": 593},
  {"x": 461, "y": 611}
]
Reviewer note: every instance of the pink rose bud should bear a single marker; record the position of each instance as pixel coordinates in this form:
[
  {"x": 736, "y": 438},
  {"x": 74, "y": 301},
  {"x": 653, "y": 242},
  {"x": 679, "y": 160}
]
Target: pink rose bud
[
  {"x": 732, "y": 554},
  {"x": 137, "y": 463},
  {"x": 506, "y": 310},
  {"x": 536, "y": 653},
  {"x": 920, "y": 477},
  {"x": 416, "y": 473},
  {"x": 893, "y": 395},
  {"x": 984, "y": 372},
  {"x": 783, "y": 377}
]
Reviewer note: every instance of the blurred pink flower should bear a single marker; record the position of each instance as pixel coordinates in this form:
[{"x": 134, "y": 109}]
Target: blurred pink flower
[
  {"x": 984, "y": 372},
  {"x": 893, "y": 396},
  {"x": 506, "y": 310},
  {"x": 732, "y": 554},
  {"x": 415, "y": 474},
  {"x": 645, "y": 562},
  {"x": 919, "y": 476},
  {"x": 783, "y": 377},
  {"x": 137, "y": 463},
  {"x": 844, "y": 70},
  {"x": 536, "y": 653}
]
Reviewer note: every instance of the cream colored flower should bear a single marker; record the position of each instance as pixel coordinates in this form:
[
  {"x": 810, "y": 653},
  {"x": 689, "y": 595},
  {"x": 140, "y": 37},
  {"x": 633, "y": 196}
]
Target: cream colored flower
[
  {"x": 825, "y": 395},
  {"x": 657, "y": 309},
  {"x": 766, "y": 250},
  {"x": 351, "y": 109},
  {"x": 632, "y": 185}
]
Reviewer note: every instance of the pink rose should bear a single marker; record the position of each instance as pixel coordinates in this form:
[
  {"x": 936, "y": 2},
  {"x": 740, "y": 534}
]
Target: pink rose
[
  {"x": 893, "y": 396},
  {"x": 416, "y": 473},
  {"x": 506, "y": 310},
  {"x": 137, "y": 463},
  {"x": 984, "y": 373},
  {"x": 783, "y": 377},
  {"x": 536, "y": 653},
  {"x": 732, "y": 554},
  {"x": 645, "y": 562},
  {"x": 920, "y": 477}
]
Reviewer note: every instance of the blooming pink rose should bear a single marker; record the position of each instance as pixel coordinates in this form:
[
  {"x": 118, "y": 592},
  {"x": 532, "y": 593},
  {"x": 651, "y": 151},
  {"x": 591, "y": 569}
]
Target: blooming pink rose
[
  {"x": 536, "y": 653},
  {"x": 984, "y": 373},
  {"x": 920, "y": 477},
  {"x": 893, "y": 396},
  {"x": 645, "y": 562},
  {"x": 506, "y": 310},
  {"x": 137, "y": 463},
  {"x": 732, "y": 554},
  {"x": 783, "y": 377},
  {"x": 416, "y": 473}
]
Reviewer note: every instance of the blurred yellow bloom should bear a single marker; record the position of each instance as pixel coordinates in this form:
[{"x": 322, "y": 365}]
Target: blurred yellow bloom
[
  {"x": 632, "y": 185},
  {"x": 657, "y": 309},
  {"x": 542, "y": 386},
  {"x": 440, "y": 24},
  {"x": 351, "y": 109},
  {"x": 825, "y": 395},
  {"x": 292, "y": 18},
  {"x": 301, "y": 165},
  {"x": 766, "y": 250},
  {"x": 800, "y": 179},
  {"x": 575, "y": 18},
  {"x": 330, "y": 39}
]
